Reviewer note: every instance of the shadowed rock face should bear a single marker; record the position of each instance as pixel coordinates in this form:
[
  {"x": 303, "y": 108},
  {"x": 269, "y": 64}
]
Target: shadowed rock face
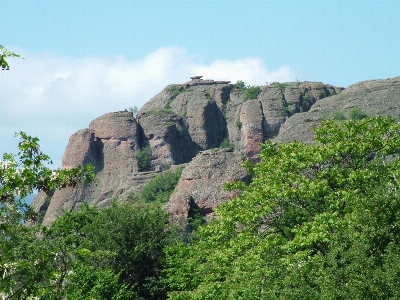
[{"x": 179, "y": 124}]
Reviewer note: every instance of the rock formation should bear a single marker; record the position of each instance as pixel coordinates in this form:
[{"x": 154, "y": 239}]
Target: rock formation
[
  {"x": 178, "y": 126},
  {"x": 373, "y": 97},
  {"x": 202, "y": 183}
]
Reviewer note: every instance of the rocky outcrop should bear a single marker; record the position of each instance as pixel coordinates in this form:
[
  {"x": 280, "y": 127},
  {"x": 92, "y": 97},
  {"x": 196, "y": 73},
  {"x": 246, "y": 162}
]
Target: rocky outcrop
[
  {"x": 176, "y": 127},
  {"x": 202, "y": 183},
  {"x": 373, "y": 97},
  {"x": 109, "y": 145},
  {"x": 201, "y": 114}
]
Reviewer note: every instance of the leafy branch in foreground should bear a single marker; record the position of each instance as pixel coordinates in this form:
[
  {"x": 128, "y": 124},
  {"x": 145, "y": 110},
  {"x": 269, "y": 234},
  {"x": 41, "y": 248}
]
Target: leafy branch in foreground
[
  {"x": 21, "y": 175},
  {"x": 6, "y": 53}
]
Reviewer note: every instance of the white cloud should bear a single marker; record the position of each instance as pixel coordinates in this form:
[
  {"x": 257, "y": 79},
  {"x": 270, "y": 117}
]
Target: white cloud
[{"x": 51, "y": 97}]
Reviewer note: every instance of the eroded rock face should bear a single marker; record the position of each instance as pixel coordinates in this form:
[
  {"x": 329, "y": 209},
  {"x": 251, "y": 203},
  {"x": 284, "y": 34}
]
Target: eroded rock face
[
  {"x": 373, "y": 97},
  {"x": 177, "y": 124},
  {"x": 252, "y": 134},
  {"x": 184, "y": 119},
  {"x": 202, "y": 181},
  {"x": 204, "y": 113},
  {"x": 109, "y": 145}
]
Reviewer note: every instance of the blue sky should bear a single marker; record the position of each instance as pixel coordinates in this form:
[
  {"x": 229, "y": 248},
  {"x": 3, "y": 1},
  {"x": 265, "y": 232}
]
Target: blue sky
[{"x": 84, "y": 58}]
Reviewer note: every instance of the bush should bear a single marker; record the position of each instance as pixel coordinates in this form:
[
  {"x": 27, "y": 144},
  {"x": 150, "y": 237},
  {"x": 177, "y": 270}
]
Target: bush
[
  {"x": 304, "y": 100},
  {"x": 226, "y": 144},
  {"x": 357, "y": 114},
  {"x": 239, "y": 85},
  {"x": 175, "y": 90},
  {"x": 195, "y": 218},
  {"x": 338, "y": 115},
  {"x": 134, "y": 110},
  {"x": 238, "y": 124},
  {"x": 282, "y": 86},
  {"x": 252, "y": 92},
  {"x": 160, "y": 188},
  {"x": 143, "y": 157}
]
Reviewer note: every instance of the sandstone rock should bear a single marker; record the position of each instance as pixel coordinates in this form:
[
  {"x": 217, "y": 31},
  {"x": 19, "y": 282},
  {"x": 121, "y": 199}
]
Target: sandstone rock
[
  {"x": 202, "y": 183},
  {"x": 195, "y": 123},
  {"x": 178, "y": 123},
  {"x": 251, "y": 118},
  {"x": 373, "y": 97},
  {"x": 109, "y": 145},
  {"x": 205, "y": 122},
  {"x": 168, "y": 138}
]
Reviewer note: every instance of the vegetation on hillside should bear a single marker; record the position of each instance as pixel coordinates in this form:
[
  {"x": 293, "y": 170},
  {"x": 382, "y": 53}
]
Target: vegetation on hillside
[
  {"x": 158, "y": 190},
  {"x": 317, "y": 221}
]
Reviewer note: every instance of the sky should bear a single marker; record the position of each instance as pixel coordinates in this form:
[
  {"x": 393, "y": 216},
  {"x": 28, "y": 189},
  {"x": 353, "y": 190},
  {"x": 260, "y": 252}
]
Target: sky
[{"x": 85, "y": 58}]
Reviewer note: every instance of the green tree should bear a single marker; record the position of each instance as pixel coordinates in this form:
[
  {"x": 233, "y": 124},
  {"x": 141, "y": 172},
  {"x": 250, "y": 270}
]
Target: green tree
[
  {"x": 143, "y": 157},
  {"x": 136, "y": 237},
  {"x": 317, "y": 222},
  {"x": 28, "y": 266},
  {"x": 134, "y": 110},
  {"x": 114, "y": 253},
  {"x": 83, "y": 273},
  {"x": 239, "y": 85},
  {"x": 250, "y": 91}
]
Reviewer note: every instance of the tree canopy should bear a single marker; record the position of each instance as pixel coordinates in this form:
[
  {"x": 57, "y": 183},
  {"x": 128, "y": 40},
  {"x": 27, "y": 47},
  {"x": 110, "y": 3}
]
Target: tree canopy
[{"x": 318, "y": 221}]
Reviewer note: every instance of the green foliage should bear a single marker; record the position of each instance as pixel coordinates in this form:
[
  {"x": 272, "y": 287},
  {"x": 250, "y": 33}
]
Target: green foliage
[
  {"x": 317, "y": 222},
  {"x": 143, "y": 157},
  {"x": 239, "y": 85},
  {"x": 338, "y": 115},
  {"x": 88, "y": 282},
  {"x": 195, "y": 218},
  {"x": 137, "y": 238},
  {"x": 175, "y": 90},
  {"x": 250, "y": 91},
  {"x": 304, "y": 100},
  {"x": 134, "y": 110},
  {"x": 36, "y": 261},
  {"x": 6, "y": 53},
  {"x": 29, "y": 265},
  {"x": 238, "y": 123},
  {"x": 21, "y": 175},
  {"x": 159, "y": 189},
  {"x": 282, "y": 86},
  {"x": 114, "y": 253},
  {"x": 357, "y": 114},
  {"x": 226, "y": 144}
]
